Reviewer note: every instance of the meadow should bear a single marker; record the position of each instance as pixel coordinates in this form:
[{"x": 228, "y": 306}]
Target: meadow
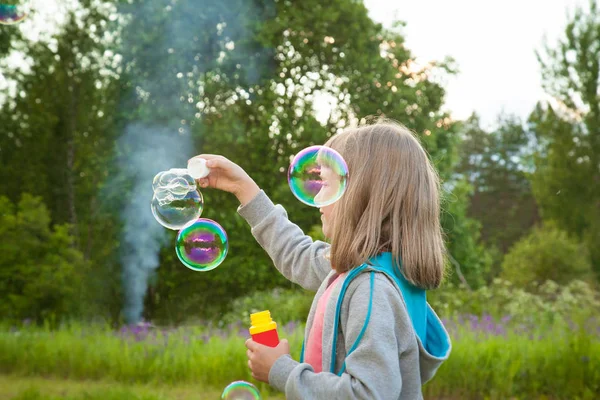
[{"x": 492, "y": 358}]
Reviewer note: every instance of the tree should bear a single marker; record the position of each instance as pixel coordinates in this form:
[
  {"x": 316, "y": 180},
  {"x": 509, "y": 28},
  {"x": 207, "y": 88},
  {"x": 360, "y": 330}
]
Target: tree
[
  {"x": 40, "y": 271},
  {"x": 496, "y": 164},
  {"x": 467, "y": 254},
  {"x": 566, "y": 182},
  {"x": 57, "y": 134}
]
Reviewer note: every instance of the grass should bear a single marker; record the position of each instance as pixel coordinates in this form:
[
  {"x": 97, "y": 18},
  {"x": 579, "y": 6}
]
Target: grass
[
  {"x": 36, "y": 388},
  {"x": 488, "y": 361},
  {"x": 139, "y": 356},
  {"x": 556, "y": 362}
]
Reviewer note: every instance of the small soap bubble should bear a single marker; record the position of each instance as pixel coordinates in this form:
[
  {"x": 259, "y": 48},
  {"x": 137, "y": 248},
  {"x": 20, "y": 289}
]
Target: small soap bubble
[
  {"x": 318, "y": 176},
  {"x": 177, "y": 201},
  {"x": 240, "y": 390},
  {"x": 14, "y": 11},
  {"x": 202, "y": 246}
]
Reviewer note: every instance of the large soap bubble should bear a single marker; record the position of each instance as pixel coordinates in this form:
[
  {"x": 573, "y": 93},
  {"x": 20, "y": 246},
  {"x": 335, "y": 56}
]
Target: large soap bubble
[
  {"x": 177, "y": 202},
  {"x": 318, "y": 176},
  {"x": 202, "y": 246}
]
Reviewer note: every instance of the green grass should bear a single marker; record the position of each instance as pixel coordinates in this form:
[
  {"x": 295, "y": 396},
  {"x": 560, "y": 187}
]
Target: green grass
[
  {"x": 35, "y": 388},
  {"x": 561, "y": 364},
  {"x": 81, "y": 352},
  {"x": 556, "y": 364}
]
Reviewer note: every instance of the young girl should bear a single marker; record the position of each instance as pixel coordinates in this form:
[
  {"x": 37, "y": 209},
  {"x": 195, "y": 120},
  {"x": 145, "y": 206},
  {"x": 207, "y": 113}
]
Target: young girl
[{"x": 370, "y": 333}]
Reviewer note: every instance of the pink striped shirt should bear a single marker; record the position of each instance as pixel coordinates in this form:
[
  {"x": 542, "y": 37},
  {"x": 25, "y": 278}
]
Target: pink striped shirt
[{"x": 314, "y": 345}]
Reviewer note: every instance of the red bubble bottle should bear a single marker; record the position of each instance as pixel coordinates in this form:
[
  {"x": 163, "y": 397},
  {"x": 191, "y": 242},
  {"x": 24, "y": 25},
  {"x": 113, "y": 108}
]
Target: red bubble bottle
[{"x": 264, "y": 329}]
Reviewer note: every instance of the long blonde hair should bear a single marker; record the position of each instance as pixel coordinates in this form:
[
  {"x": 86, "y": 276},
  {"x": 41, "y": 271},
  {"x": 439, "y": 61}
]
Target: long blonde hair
[{"x": 391, "y": 204}]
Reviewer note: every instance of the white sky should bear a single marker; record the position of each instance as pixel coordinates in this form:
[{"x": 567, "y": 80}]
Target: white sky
[{"x": 492, "y": 41}]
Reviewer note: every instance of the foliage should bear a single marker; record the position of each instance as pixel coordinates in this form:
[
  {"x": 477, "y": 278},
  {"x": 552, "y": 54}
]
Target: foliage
[
  {"x": 547, "y": 302},
  {"x": 462, "y": 236},
  {"x": 547, "y": 253},
  {"x": 40, "y": 270}
]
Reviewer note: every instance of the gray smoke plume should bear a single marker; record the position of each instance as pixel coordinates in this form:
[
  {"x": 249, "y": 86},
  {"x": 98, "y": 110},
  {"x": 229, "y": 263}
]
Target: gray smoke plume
[{"x": 145, "y": 151}]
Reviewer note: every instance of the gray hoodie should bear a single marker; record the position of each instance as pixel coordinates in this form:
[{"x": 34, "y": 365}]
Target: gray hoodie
[{"x": 389, "y": 362}]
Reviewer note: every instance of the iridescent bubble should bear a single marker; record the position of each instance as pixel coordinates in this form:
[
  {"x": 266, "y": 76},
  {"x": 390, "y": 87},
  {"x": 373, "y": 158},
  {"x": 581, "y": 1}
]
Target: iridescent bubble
[
  {"x": 240, "y": 390},
  {"x": 14, "y": 11},
  {"x": 202, "y": 246},
  {"x": 318, "y": 176},
  {"x": 177, "y": 201}
]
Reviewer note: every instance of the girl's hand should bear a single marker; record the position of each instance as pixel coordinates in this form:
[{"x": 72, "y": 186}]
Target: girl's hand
[
  {"x": 261, "y": 358},
  {"x": 228, "y": 176}
]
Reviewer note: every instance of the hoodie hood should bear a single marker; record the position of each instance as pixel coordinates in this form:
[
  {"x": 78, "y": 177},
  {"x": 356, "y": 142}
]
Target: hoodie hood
[{"x": 432, "y": 337}]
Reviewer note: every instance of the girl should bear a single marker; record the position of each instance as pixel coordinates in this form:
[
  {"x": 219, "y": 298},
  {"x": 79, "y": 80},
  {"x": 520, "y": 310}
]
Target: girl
[{"x": 370, "y": 333}]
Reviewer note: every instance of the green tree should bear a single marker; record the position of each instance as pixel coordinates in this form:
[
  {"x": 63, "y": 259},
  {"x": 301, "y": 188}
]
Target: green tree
[
  {"x": 469, "y": 258},
  {"x": 566, "y": 182},
  {"x": 40, "y": 271},
  {"x": 496, "y": 164},
  {"x": 57, "y": 134}
]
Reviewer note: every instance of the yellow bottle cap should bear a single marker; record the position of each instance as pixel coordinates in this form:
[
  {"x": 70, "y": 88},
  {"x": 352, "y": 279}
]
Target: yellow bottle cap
[{"x": 261, "y": 322}]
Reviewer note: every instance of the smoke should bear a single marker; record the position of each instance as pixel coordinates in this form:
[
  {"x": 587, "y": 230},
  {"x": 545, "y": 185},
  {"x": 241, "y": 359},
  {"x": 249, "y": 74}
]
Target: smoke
[
  {"x": 145, "y": 151},
  {"x": 169, "y": 49}
]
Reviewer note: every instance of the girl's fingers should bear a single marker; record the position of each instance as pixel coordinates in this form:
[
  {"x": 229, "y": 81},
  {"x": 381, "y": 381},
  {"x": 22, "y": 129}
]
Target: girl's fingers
[
  {"x": 215, "y": 163},
  {"x": 206, "y": 156},
  {"x": 213, "y": 160}
]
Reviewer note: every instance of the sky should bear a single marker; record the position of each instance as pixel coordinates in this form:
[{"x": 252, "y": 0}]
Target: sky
[{"x": 492, "y": 41}]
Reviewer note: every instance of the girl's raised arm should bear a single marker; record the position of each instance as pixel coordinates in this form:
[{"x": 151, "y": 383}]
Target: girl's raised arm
[{"x": 295, "y": 255}]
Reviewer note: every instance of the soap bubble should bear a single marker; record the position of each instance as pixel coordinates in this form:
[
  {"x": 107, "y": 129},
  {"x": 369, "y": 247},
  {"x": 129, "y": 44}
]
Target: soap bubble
[
  {"x": 177, "y": 201},
  {"x": 240, "y": 390},
  {"x": 318, "y": 176},
  {"x": 202, "y": 246},
  {"x": 14, "y": 11}
]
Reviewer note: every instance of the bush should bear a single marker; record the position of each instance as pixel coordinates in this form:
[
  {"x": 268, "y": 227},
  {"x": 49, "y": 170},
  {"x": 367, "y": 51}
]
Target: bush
[
  {"x": 547, "y": 253},
  {"x": 501, "y": 299},
  {"x": 39, "y": 267}
]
